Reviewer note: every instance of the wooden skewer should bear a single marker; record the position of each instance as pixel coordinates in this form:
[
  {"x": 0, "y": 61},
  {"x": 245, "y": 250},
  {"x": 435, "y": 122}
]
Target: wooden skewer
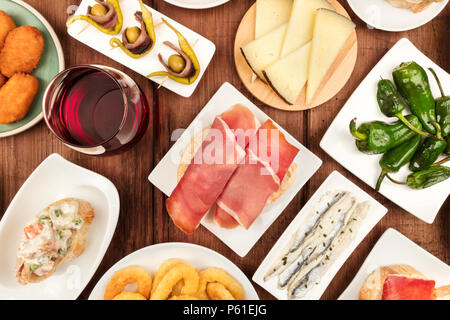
[{"x": 167, "y": 78}]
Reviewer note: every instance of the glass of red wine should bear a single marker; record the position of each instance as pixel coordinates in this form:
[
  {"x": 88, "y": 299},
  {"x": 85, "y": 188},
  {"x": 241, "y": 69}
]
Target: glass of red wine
[{"x": 95, "y": 109}]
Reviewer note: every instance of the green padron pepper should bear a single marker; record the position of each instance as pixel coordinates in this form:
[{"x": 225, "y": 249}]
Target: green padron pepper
[
  {"x": 447, "y": 151},
  {"x": 377, "y": 137},
  {"x": 427, "y": 178},
  {"x": 146, "y": 40},
  {"x": 442, "y": 108},
  {"x": 392, "y": 105},
  {"x": 428, "y": 152},
  {"x": 110, "y": 21},
  {"x": 393, "y": 160},
  {"x": 188, "y": 53},
  {"x": 412, "y": 83}
]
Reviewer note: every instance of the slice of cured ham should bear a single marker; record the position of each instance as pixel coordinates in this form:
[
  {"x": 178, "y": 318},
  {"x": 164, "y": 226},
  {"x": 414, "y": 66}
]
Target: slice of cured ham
[
  {"x": 402, "y": 288},
  {"x": 268, "y": 158},
  {"x": 211, "y": 168}
]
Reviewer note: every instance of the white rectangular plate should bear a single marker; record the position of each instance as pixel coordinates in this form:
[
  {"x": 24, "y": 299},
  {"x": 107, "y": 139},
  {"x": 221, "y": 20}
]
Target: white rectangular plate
[
  {"x": 340, "y": 144},
  {"x": 394, "y": 248},
  {"x": 334, "y": 182},
  {"x": 164, "y": 176},
  {"x": 204, "y": 48},
  {"x": 54, "y": 179}
]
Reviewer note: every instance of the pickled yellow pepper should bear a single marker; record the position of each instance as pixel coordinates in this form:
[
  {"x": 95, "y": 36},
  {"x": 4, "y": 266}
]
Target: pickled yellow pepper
[
  {"x": 117, "y": 28},
  {"x": 187, "y": 49},
  {"x": 149, "y": 27}
]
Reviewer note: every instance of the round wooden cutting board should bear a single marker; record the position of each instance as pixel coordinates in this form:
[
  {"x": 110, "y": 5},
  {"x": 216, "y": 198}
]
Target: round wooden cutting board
[{"x": 333, "y": 82}]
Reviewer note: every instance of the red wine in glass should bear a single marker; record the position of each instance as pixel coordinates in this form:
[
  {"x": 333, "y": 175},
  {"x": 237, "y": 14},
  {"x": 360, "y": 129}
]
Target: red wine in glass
[{"x": 96, "y": 109}]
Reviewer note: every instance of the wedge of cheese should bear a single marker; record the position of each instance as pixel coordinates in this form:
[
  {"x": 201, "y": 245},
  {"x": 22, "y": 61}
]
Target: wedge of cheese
[
  {"x": 288, "y": 76},
  {"x": 331, "y": 31},
  {"x": 271, "y": 14},
  {"x": 264, "y": 51},
  {"x": 301, "y": 23}
]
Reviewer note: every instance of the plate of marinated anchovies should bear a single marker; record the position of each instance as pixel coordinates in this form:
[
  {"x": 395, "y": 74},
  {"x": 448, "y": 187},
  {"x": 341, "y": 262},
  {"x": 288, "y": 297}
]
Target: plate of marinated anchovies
[{"x": 316, "y": 244}]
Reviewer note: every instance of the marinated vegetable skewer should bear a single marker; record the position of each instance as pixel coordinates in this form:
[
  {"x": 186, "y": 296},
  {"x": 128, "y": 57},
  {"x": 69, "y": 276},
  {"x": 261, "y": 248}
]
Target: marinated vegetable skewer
[
  {"x": 191, "y": 69},
  {"x": 106, "y": 16},
  {"x": 138, "y": 42}
]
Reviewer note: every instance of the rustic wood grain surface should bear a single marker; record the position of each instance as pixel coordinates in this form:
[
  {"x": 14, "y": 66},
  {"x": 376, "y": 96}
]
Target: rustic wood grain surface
[{"x": 143, "y": 220}]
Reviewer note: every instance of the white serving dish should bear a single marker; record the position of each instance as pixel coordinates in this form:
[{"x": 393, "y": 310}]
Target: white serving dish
[
  {"x": 54, "y": 179},
  {"x": 340, "y": 144},
  {"x": 197, "y": 4},
  {"x": 334, "y": 182},
  {"x": 99, "y": 41},
  {"x": 380, "y": 14},
  {"x": 164, "y": 176},
  {"x": 152, "y": 257},
  {"x": 394, "y": 248}
]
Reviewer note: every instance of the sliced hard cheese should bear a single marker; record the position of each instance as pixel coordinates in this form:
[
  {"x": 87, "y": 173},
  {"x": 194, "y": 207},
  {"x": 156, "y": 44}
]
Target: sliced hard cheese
[
  {"x": 288, "y": 76},
  {"x": 301, "y": 23},
  {"x": 271, "y": 14},
  {"x": 264, "y": 51},
  {"x": 331, "y": 31}
]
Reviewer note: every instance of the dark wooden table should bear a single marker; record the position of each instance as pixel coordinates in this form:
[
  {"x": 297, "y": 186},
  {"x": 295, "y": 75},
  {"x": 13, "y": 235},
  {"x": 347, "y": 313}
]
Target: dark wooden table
[{"x": 143, "y": 219}]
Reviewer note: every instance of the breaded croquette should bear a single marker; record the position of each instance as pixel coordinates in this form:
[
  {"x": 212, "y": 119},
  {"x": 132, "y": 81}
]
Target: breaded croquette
[
  {"x": 16, "y": 97},
  {"x": 22, "y": 51},
  {"x": 6, "y": 25},
  {"x": 2, "y": 80}
]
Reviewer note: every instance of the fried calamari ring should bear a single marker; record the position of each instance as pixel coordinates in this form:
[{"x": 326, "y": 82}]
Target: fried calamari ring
[
  {"x": 126, "y": 276},
  {"x": 179, "y": 272},
  {"x": 217, "y": 291},
  {"x": 218, "y": 275},
  {"x": 163, "y": 269},
  {"x": 129, "y": 296},
  {"x": 183, "y": 298}
]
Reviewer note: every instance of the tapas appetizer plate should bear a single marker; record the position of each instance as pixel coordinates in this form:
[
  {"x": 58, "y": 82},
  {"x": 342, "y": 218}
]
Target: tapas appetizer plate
[
  {"x": 152, "y": 257},
  {"x": 334, "y": 80},
  {"x": 54, "y": 179},
  {"x": 240, "y": 240},
  {"x": 380, "y": 14},
  {"x": 204, "y": 48},
  {"x": 340, "y": 144},
  {"x": 335, "y": 183},
  {"x": 393, "y": 248},
  {"x": 51, "y": 63},
  {"x": 197, "y": 4}
]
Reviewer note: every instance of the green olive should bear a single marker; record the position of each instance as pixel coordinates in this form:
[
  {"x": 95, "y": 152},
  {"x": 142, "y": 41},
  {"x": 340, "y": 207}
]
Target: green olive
[
  {"x": 176, "y": 63},
  {"x": 98, "y": 10},
  {"x": 133, "y": 34}
]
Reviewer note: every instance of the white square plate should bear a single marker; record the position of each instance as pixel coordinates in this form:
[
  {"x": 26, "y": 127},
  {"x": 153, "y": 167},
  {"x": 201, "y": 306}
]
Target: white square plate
[
  {"x": 54, "y": 179},
  {"x": 164, "y": 176},
  {"x": 334, "y": 182},
  {"x": 340, "y": 144},
  {"x": 204, "y": 48},
  {"x": 394, "y": 248}
]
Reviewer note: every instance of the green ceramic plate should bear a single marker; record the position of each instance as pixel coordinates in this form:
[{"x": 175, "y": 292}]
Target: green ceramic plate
[{"x": 52, "y": 61}]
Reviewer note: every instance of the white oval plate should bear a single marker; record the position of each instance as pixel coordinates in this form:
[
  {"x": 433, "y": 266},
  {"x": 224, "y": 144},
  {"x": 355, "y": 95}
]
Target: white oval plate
[
  {"x": 197, "y": 4},
  {"x": 380, "y": 14},
  {"x": 54, "y": 179},
  {"x": 239, "y": 239},
  {"x": 394, "y": 248},
  {"x": 152, "y": 257},
  {"x": 335, "y": 181},
  {"x": 340, "y": 145}
]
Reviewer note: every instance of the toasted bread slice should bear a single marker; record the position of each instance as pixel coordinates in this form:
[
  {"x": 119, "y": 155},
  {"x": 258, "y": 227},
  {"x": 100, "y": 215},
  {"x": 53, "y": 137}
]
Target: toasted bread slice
[
  {"x": 373, "y": 287},
  {"x": 76, "y": 243}
]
